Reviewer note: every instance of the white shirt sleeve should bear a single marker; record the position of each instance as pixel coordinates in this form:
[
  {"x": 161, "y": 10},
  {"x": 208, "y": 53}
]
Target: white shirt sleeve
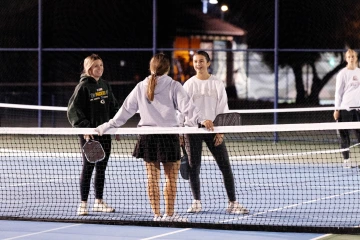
[
  {"x": 339, "y": 89},
  {"x": 186, "y": 107},
  {"x": 222, "y": 106},
  {"x": 127, "y": 110}
]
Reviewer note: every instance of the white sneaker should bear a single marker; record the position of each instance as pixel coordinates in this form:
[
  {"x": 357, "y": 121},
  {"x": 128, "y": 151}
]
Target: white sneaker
[
  {"x": 174, "y": 218},
  {"x": 348, "y": 164},
  {"x": 157, "y": 218},
  {"x": 195, "y": 207},
  {"x": 102, "y": 207},
  {"x": 236, "y": 208},
  {"x": 82, "y": 209}
]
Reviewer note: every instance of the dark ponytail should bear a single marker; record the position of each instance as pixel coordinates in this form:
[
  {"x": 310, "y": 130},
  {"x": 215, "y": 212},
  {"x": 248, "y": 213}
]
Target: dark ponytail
[{"x": 159, "y": 65}]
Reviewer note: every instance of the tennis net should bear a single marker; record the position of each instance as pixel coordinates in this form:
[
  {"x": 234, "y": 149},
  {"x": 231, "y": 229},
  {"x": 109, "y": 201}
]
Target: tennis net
[
  {"x": 291, "y": 177},
  {"x": 19, "y": 115}
]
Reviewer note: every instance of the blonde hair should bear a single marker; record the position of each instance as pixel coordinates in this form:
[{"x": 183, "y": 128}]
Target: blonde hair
[
  {"x": 159, "y": 65},
  {"x": 349, "y": 51},
  {"x": 88, "y": 62}
]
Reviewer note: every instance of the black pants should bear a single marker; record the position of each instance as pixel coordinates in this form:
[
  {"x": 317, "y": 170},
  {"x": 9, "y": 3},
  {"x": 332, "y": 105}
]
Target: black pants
[
  {"x": 193, "y": 145},
  {"x": 348, "y": 116},
  {"x": 88, "y": 168}
]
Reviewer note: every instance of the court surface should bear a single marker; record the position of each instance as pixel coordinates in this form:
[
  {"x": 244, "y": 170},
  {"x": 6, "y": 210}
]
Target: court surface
[
  {"x": 300, "y": 192},
  {"x": 29, "y": 230}
]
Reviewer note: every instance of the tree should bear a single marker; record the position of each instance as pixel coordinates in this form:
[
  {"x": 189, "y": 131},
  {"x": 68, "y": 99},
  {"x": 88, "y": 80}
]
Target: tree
[{"x": 303, "y": 24}]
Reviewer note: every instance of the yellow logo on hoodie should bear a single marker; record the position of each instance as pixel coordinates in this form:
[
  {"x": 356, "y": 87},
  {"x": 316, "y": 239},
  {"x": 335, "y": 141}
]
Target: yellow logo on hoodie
[{"x": 100, "y": 93}]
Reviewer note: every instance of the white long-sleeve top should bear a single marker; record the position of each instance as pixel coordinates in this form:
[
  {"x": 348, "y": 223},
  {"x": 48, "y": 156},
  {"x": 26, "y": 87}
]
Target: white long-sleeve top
[
  {"x": 169, "y": 98},
  {"x": 347, "y": 88},
  {"x": 208, "y": 95}
]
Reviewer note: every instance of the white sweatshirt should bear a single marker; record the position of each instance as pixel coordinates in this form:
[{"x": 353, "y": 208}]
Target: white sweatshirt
[
  {"x": 347, "y": 90},
  {"x": 169, "y": 98},
  {"x": 208, "y": 95}
]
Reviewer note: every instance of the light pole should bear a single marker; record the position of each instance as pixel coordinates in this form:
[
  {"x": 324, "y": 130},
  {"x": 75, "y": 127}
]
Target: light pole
[
  {"x": 224, "y": 8},
  {"x": 205, "y": 4}
]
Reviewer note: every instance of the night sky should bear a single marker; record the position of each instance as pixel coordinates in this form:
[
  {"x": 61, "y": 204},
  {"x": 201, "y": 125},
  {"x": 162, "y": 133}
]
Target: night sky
[{"x": 128, "y": 24}]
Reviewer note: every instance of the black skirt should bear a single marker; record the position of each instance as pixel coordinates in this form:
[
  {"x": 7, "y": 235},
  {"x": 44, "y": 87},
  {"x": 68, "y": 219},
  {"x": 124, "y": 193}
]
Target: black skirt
[{"x": 158, "y": 148}]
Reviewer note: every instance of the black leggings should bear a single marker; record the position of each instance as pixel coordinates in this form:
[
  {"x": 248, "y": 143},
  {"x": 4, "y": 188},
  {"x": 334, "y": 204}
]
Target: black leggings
[
  {"x": 193, "y": 145},
  {"x": 348, "y": 116},
  {"x": 88, "y": 168}
]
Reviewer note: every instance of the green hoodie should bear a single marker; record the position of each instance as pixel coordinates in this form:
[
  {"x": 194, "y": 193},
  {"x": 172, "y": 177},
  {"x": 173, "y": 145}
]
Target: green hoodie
[{"x": 91, "y": 104}]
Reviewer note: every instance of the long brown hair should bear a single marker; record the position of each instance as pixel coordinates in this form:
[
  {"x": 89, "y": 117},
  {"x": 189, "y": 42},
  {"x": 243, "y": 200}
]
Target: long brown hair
[{"x": 159, "y": 65}]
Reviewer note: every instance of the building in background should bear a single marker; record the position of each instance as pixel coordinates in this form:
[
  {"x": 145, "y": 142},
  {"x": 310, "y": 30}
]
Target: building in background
[{"x": 196, "y": 30}]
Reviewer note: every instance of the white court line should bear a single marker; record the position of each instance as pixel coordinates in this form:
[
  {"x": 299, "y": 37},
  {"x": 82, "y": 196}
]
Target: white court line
[
  {"x": 26, "y": 153},
  {"x": 29, "y": 153},
  {"x": 37, "y": 233},
  {"x": 166, "y": 234},
  {"x": 42, "y": 181},
  {"x": 291, "y": 206},
  {"x": 323, "y": 236}
]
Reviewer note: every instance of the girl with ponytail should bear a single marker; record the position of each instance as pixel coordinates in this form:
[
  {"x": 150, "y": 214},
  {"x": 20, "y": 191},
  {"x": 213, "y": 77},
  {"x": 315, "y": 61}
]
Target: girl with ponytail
[{"x": 158, "y": 98}]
